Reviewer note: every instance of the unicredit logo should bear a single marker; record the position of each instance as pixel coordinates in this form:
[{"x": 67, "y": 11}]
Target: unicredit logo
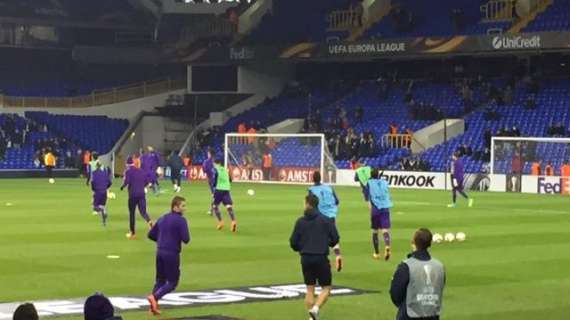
[{"x": 516, "y": 42}]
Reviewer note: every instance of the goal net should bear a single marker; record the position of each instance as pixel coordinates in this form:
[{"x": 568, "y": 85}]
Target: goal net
[
  {"x": 278, "y": 158},
  {"x": 533, "y": 165}
]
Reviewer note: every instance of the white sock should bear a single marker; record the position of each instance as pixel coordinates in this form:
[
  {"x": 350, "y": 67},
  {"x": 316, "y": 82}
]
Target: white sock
[{"x": 315, "y": 309}]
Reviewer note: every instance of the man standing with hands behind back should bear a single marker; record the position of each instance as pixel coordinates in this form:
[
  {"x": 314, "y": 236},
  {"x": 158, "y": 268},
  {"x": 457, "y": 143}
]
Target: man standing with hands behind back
[
  {"x": 312, "y": 237},
  {"x": 417, "y": 285}
]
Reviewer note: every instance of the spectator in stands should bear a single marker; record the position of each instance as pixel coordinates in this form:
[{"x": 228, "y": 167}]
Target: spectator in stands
[
  {"x": 79, "y": 162},
  {"x": 507, "y": 97},
  {"x": 549, "y": 169},
  {"x": 486, "y": 157},
  {"x": 535, "y": 168},
  {"x": 557, "y": 130},
  {"x": 565, "y": 169},
  {"x": 359, "y": 114},
  {"x": 491, "y": 115},
  {"x": 68, "y": 160},
  {"x": 530, "y": 103},
  {"x": 99, "y": 307},
  {"x": 3, "y": 146},
  {"x": 515, "y": 132},
  {"x": 26, "y": 311}
]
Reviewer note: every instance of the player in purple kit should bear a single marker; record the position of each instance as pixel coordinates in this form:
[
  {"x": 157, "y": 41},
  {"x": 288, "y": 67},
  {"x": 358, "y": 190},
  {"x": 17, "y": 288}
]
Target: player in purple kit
[
  {"x": 208, "y": 168},
  {"x": 100, "y": 183},
  {"x": 457, "y": 173},
  {"x": 169, "y": 232},
  {"x": 150, "y": 161},
  {"x": 136, "y": 180}
]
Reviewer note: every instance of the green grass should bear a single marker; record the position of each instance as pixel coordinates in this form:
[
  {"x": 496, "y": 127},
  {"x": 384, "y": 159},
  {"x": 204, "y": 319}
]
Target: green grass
[{"x": 514, "y": 264}]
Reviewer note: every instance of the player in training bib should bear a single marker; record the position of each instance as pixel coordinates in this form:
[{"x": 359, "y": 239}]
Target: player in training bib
[
  {"x": 362, "y": 176},
  {"x": 328, "y": 207},
  {"x": 222, "y": 187},
  {"x": 100, "y": 184},
  {"x": 457, "y": 181},
  {"x": 380, "y": 203}
]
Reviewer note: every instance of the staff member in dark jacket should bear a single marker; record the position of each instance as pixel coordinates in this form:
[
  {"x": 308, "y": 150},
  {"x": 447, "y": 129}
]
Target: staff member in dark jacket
[
  {"x": 312, "y": 237},
  {"x": 417, "y": 285},
  {"x": 176, "y": 164}
]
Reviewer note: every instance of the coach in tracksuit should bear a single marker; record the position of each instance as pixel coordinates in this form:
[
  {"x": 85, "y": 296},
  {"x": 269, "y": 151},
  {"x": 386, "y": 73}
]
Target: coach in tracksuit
[
  {"x": 312, "y": 237},
  {"x": 417, "y": 285}
]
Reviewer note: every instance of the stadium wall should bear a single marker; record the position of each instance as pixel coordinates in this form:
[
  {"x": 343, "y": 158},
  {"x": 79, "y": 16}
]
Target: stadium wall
[
  {"x": 401, "y": 179},
  {"x": 122, "y": 110},
  {"x": 532, "y": 184}
]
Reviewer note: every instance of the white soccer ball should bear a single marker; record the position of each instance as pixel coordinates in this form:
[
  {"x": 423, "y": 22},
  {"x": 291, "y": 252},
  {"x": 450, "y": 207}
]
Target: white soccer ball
[
  {"x": 112, "y": 195},
  {"x": 449, "y": 237},
  {"x": 460, "y": 236},
  {"x": 437, "y": 238},
  {"x": 251, "y": 192},
  {"x": 51, "y": 180}
]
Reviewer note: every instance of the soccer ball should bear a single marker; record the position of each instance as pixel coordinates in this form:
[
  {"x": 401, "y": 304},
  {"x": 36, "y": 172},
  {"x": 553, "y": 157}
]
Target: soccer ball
[
  {"x": 51, "y": 180},
  {"x": 251, "y": 192},
  {"x": 437, "y": 238},
  {"x": 160, "y": 172},
  {"x": 112, "y": 195},
  {"x": 460, "y": 236},
  {"x": 449, "y": 237}
]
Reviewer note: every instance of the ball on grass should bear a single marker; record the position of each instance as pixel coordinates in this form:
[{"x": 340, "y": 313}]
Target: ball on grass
[
  {"x": 437, "y": 238},
  {"x": 449, "y": 237},
  {"x": 460, "y": 236},
  {"x": 51, "y": 180},
  {"x": 111, "y": 195},
  {"x": 251, "y": 192}
]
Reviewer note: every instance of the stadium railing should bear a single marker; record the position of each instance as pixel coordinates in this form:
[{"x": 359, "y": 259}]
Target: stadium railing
[
  {"x": 343, "y": 20},
  {"x": 498, "y": 10},
  {"x": 98, "y": 97}
]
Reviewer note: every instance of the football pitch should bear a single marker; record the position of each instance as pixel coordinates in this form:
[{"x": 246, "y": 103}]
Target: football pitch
[{"x": 513, "y": 265}]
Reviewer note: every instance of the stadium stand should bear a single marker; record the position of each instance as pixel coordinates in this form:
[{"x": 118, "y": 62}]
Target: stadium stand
[
  {"x": 95, "y": 133},
  {"x": 555, "y": 18},
  {"x": 551, "y": 108},
  {"x": 24, "y": 139}
]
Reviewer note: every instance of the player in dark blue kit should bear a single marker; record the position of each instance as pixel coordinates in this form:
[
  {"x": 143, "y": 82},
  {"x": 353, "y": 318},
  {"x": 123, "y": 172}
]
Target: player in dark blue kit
[
  {"x": 328, "y": 206},
  {"x": 169, "y": 232},
  {"x": 457, "y": 173}
]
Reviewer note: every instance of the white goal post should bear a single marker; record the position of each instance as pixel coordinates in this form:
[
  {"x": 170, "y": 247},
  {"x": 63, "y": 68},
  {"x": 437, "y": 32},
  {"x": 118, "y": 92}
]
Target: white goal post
[
  {"x": 530, "y": 165},
  {"x": 278, "y": 157}
]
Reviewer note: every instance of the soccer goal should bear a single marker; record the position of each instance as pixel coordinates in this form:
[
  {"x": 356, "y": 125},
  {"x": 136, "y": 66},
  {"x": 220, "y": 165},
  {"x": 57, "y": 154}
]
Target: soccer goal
[
  {"x": 530, "y": 165},
  {"x": 278, "y": 158}
]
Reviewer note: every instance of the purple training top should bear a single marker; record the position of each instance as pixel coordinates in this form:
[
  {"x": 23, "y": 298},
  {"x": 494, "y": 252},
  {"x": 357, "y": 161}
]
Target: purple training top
[
  {"x": 100, "y": 181},
  {"x": 457, "y": 169},
  {"x": 136, "y": 179},
  {"x": 208, "y": 168},
  {"x": 169, "y": 232}
]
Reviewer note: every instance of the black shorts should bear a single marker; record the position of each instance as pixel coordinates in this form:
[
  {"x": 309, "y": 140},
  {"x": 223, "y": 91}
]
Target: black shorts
[{"x": 316, "y": 270}]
